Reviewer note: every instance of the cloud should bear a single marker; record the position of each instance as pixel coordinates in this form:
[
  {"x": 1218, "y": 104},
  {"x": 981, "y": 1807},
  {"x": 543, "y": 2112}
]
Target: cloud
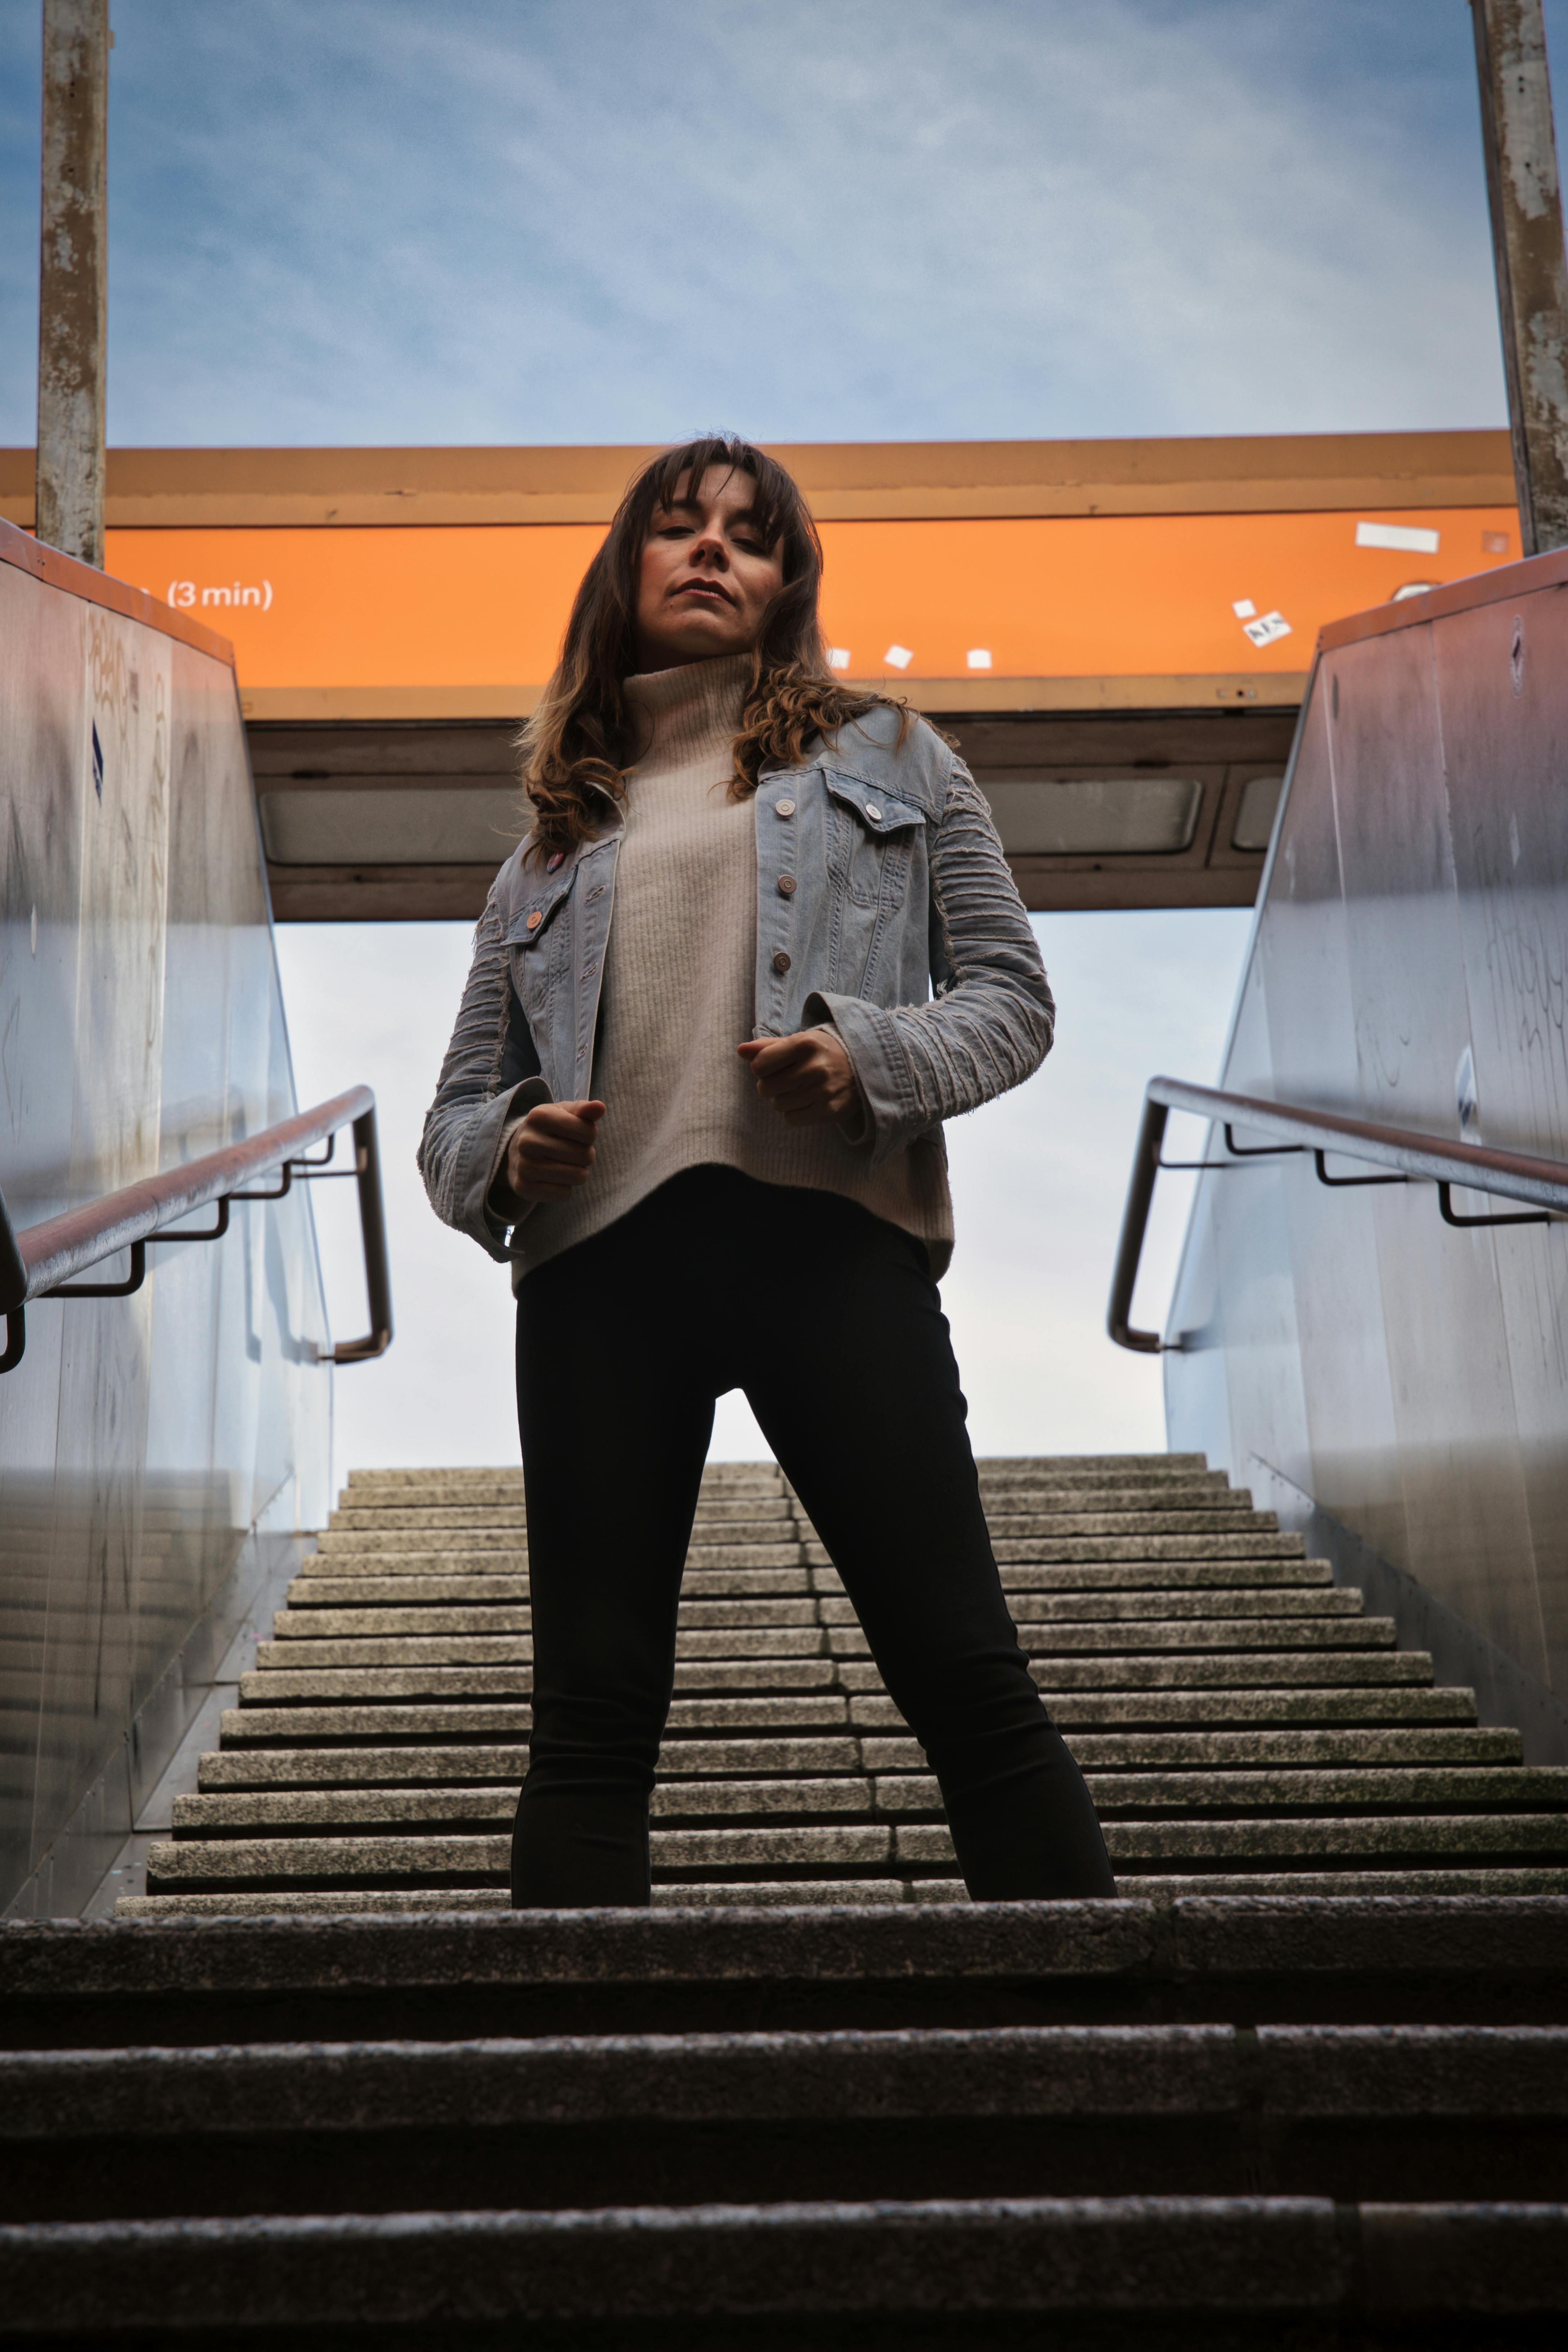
[{"x": 620, "y": 220}]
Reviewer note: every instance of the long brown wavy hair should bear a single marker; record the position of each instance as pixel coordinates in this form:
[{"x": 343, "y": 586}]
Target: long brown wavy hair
[{"x": 582, "y": 735}]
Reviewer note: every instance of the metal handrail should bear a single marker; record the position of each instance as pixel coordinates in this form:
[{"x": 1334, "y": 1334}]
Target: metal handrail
[
  {"x": 1472, "y": 1167},
  {"x": 39, "y": 1261}
]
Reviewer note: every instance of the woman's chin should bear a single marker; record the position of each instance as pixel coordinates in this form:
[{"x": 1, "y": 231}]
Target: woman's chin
[{"x": 700, "y": 639}]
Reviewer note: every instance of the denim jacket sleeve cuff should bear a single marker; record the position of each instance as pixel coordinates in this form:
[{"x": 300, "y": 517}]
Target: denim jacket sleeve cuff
[
  {"x": 500, "y": 1200},
  {"x": 484, "y": 1152},
  {"x": 890, "y": 1111},
  {"x": 855, "y": 1126}
]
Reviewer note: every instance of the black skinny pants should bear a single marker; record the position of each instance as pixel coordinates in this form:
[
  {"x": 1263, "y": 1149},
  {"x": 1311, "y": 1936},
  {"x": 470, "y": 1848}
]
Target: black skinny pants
[{"x": 828, "y": 1319}]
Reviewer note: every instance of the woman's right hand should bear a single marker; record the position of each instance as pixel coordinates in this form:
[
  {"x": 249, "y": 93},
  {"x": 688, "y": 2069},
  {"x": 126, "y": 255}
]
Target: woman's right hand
[{"x": 552, "y": 1152}]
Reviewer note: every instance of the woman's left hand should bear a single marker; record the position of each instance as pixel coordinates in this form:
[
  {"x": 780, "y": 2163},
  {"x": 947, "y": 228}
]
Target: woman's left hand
[{"x": 807, "y": 1078}]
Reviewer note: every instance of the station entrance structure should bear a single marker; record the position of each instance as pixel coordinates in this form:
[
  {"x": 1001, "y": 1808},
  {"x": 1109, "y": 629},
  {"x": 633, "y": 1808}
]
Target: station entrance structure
[
  {"x": 1306, "y": 2077},
  {"x": 1117, "y": 634}
]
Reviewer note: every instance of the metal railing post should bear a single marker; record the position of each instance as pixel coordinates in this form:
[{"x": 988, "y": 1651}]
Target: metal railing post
[
  {"x": 1134, "y": 1221},
  {"x": 372, "y": 1229}
]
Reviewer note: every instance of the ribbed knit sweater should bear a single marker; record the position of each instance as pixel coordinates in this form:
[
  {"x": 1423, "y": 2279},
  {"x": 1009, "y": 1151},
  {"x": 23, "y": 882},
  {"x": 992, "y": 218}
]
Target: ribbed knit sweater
[{"x": 680, "y": 995}]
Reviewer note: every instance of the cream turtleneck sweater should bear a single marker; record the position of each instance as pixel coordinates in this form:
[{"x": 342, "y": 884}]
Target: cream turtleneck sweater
[{"x": 680, "y": 995}]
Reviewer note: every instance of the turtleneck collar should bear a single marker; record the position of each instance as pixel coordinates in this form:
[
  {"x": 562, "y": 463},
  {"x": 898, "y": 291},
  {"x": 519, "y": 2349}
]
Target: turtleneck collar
[{"x": 688, "y": 714}]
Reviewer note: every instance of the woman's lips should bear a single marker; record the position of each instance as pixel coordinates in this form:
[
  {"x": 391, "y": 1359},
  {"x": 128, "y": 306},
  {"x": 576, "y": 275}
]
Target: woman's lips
[{"x": 705, "y": 593}]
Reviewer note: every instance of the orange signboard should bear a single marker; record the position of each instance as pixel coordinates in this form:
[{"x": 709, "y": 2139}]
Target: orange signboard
[{"x": 434, "y": 620}]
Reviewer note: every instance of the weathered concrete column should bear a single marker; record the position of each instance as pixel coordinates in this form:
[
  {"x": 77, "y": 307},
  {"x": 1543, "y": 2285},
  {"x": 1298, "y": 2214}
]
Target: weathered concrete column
[
  {"x": 1527, "y": 245},
  {"x": 73, "y": 279}
]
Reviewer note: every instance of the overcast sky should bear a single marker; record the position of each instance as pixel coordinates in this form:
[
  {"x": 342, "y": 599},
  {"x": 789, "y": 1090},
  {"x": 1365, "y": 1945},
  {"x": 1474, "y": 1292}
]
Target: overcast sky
[
  {"x": 359, "y": 221},
  {"x": 601, "y": 220}
]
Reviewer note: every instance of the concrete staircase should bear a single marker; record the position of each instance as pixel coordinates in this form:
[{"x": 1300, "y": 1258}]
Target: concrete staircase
[
  {"x": 1245, "y": 1726},
  {"x": 1295, "y": 2121},
  {"x": 814, "y": 2098}
]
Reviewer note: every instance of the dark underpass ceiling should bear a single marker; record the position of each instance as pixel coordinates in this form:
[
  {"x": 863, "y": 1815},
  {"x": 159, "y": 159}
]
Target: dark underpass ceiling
[{"x": 396, "y": 821}]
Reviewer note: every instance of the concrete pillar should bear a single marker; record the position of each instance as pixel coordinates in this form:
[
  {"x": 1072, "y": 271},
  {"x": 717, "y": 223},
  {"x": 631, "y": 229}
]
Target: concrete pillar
[
  {"x": 1527, "y": 245},
  {"x": 73, "y": 279}
]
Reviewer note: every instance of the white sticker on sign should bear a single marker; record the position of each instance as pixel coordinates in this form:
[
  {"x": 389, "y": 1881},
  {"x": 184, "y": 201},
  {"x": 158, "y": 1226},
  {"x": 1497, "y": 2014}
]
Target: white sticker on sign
[
  {"x": 1243, "y": 608},
  {"x": 899, "y": 656},
  {"x": 837, "y": 657},
  {"x": 978, "y": 656},
  {"x": 1408, "y": 538},
  {"x": 1268, "y": 626}
]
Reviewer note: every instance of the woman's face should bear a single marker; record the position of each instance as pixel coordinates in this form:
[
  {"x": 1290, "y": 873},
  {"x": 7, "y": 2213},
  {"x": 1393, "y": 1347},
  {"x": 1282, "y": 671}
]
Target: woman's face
[{"x": 707, "y": 575}]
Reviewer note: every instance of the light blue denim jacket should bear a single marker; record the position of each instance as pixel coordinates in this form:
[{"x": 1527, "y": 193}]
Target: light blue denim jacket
[{"x": 879, "y": 878}]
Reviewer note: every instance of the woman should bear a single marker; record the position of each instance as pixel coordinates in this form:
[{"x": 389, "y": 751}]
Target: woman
[{"x": 694, "y": 1094}]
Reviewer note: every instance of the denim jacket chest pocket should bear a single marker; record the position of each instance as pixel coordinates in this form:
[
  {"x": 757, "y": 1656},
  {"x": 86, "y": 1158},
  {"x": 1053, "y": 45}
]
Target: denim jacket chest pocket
[
  {"x": 871, "y": 836},
  {"x": 538, "y": 935}
]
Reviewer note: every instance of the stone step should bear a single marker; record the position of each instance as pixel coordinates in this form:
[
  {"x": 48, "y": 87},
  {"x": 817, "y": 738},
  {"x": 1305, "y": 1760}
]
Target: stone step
[
  {"x": 1148, "y": 1576},
  {"x": 322, "y": 1623},
  {"x": 1191, "y": 2267},
  {"x": 1185, "y": 1670},
  {"x": 420, "y": 1648},
  {"x": 1431, "y": 2111},
  {"x": 1180, "y": 1495},
  {"x": 307, "y": 1812},
  {"x": 405, "y": 1578},
  {"x": 347, "y": 1768},
  {"x": 1075, "y": 1549},
  {"x": 1322, "y": 1706},
  {"x": 1031, "y": 1607},
  {"x": 279, "y": 1687},
  {"x": 399, "y": 1577},
  {"x": 285, "y": 1904},
  {"x": 1144, "y": 1752},
  {"x": 1191, "y": 1524},
  {"x": 455, "y": 1860},
  {"x": 1485, "y": 1884},
  {"x": 717, "y": 1476},
  {"x": 325, "y": 1861},
  {"x": 329, "y": 1862},
  {"x": 1064, "y": 1636},
  {"x": 374, "y": 1722},
  {"x": 734, "y": 1525},
  {"x": 394, "y": 1811},
  {"x": 1510, "y": 1838},
  {"x": 309, "y": 1639},
  {"x": 759, "y": 1512},
  {"x": 900, "y": 1795},
  {"x": 257, "y": 1728},
  {"x": 1374, "y": 1953},
  {"x": 1152, "y": 1750},
  {"x": 1442, "y": 1788},
  {"x": 323, "y": 1606},
  {"x": 1116, "y": 1466},
  {"x": 481, "y": 1548},
  {"x": 825, "y": 1708},
  {"x": 805, "y": 1896}
]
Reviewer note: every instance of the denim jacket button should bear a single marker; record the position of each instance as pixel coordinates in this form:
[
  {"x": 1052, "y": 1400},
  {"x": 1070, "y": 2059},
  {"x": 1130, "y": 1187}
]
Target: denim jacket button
[
  {"x": 786, "y": 886},
  {"x": 874, "y": 812},
  {"x": 786, "y": 808},
  {"x": 781, "y": 962},
  {"x": 535, "y": 920}
]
